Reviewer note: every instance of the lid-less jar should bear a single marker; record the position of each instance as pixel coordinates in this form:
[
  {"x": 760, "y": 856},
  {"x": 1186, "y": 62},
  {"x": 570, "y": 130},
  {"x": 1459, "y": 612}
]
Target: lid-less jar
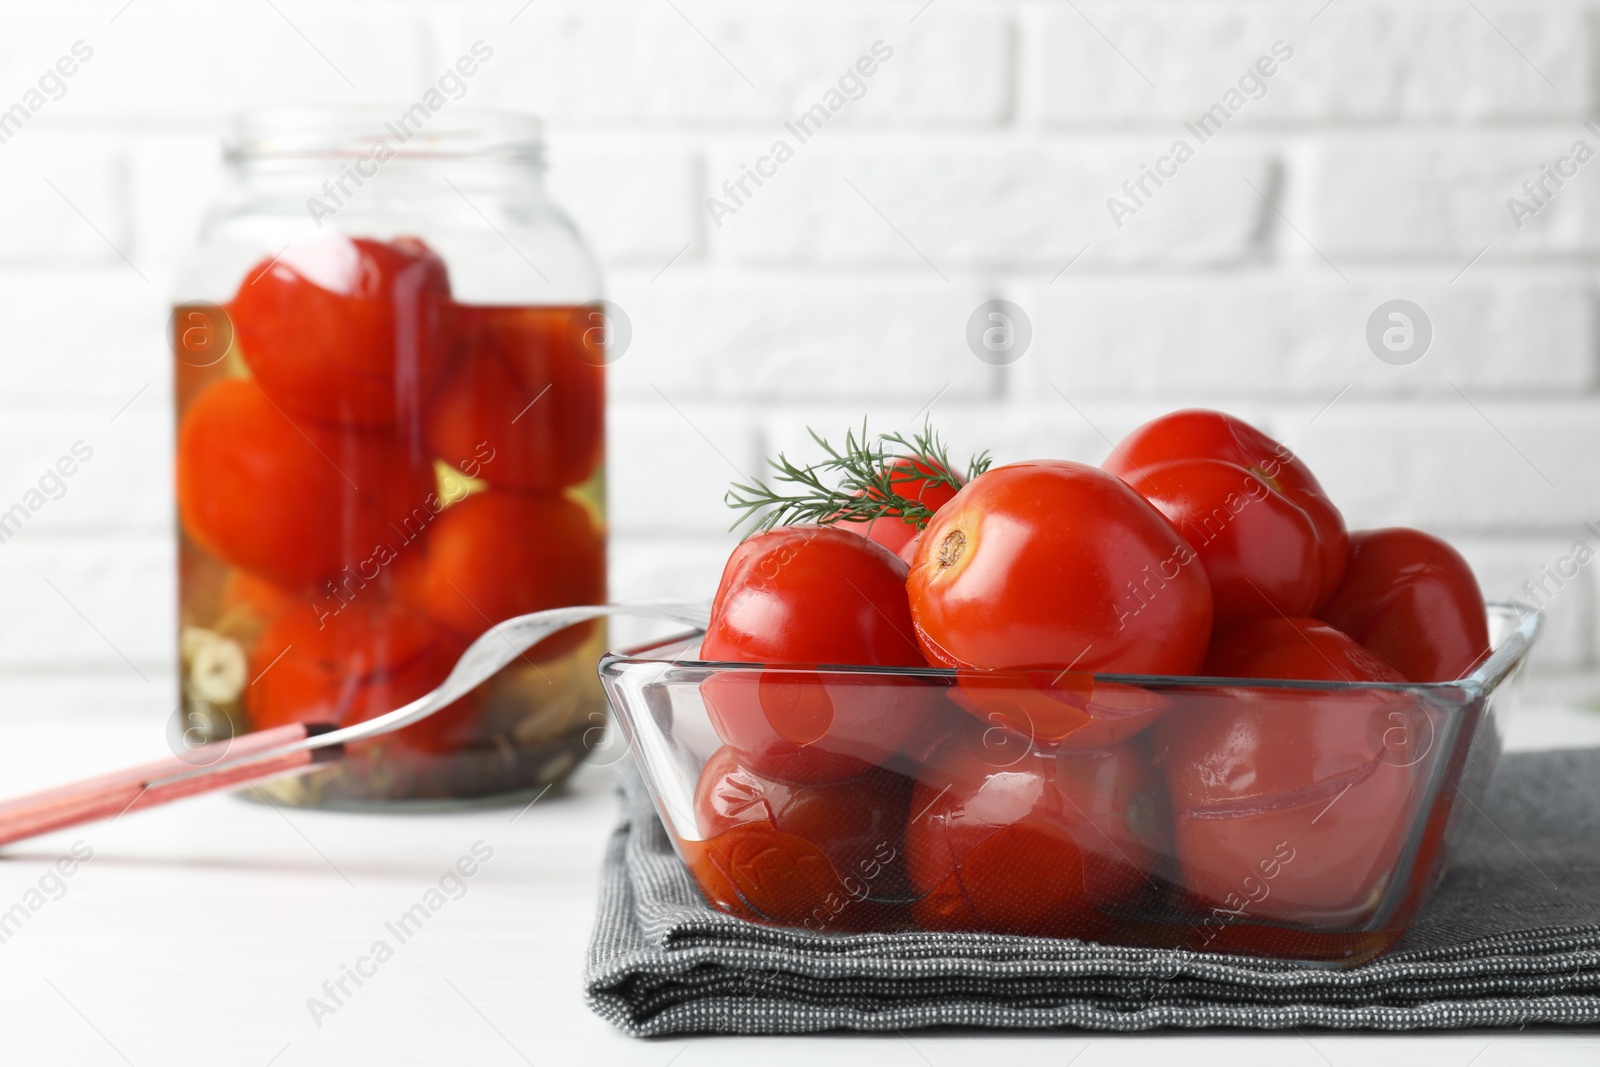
[{"x": 390, "y": 397}]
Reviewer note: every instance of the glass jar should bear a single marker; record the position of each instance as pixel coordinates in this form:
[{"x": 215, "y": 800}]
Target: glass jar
[{"x": 390, "y": 396}]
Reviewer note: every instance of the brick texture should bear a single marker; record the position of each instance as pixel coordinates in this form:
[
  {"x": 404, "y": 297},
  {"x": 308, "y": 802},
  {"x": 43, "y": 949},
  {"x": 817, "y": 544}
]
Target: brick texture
[
  {"x": 1430, "y": 62},
  {"x": 1004, "y": 150}
]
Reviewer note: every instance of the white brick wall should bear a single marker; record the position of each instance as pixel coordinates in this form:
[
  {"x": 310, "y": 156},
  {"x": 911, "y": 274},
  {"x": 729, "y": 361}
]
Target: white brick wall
[{"x": 1376, "y": 165}]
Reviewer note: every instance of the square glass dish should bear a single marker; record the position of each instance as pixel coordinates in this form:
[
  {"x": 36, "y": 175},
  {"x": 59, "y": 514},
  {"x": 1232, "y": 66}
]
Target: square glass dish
[{"x": 1301, "y": 820}]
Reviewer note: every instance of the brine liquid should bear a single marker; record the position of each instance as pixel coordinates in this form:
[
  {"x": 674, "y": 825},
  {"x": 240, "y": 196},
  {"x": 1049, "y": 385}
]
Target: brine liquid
[{"x": 331, "y": 572}]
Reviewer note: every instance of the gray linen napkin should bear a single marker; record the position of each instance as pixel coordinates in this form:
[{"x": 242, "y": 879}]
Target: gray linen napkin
[{"x": 1511, "y": 937}]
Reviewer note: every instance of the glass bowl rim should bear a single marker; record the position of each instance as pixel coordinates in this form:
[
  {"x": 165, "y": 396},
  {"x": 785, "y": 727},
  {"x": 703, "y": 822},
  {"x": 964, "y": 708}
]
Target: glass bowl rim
[{"x": 1501, "y": 662}]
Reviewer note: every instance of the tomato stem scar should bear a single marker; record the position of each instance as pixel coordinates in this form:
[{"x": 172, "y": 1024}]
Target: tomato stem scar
[{"x": 951, "y": 548}]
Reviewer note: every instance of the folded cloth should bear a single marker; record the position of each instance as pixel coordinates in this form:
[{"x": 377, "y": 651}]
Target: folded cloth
[{"x": 1512, "y": 936}]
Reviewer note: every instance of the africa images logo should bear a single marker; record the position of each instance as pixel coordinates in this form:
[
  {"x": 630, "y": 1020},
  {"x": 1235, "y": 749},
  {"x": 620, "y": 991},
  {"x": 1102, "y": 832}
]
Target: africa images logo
[
  {"x": 451, "y": 86},
  {"x": 851, "y": 85},
  {"x": 51, "y": 85},
  {"x": 1252, "y": 86}
]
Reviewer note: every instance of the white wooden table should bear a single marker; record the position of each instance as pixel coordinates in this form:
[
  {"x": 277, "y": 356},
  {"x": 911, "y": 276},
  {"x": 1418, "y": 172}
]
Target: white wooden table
[{"x": 197, "y": 933}]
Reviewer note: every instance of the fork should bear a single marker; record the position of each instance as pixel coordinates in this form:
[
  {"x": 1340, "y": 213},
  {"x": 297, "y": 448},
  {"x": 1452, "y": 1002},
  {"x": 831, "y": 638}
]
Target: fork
[{"x": 299, "y": 747}]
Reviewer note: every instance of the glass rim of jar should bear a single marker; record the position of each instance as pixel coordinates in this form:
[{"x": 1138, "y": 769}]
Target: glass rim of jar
[{"x": 357, "y": 131}]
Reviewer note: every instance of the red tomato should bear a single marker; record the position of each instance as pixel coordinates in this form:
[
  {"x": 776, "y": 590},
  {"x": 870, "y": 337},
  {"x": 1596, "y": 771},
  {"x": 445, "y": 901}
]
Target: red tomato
[
  {"x": 291, "y": 501},
  {"x": 1066, "y": 709},
  {"x": 1271, "y": 541},
  {"x": 812, "y": 594},
  {"x": 346, "y": 330},
  {"x": 1057, "y": 564},
  {"x": 245, "y": 593},
  {"x": 1260, "y": 549},
  {"x": 807, "y": 596},
  {"x": 523, "y": 395},
  {"x": 1292, "y": 805},
  {"x": 913, "y": 479},
  {"x": 1414, "y": 602},
  {"x": 247, "y": 604},
  {"x": 368, "y": 659},
  {"x": 798, "y": 854},
  {"x": 499, "y": 554},
  {"x": 408, "y": 572},
  {"x": 1007, "y": 839},
  {"x": 1294, "y": 648}
]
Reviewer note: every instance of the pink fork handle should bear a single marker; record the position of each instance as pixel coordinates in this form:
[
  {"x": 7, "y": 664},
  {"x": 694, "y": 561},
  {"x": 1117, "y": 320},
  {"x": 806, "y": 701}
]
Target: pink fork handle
[{"x": 107, "y": 796}]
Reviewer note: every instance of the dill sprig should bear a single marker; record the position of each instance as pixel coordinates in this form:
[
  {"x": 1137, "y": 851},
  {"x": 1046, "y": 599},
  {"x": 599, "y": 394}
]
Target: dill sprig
[{"x": 856, "y": 482}]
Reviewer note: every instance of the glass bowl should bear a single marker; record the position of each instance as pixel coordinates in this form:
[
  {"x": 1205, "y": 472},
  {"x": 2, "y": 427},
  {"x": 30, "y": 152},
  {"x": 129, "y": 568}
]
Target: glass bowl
[{"x": 1300, "y": 820}]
